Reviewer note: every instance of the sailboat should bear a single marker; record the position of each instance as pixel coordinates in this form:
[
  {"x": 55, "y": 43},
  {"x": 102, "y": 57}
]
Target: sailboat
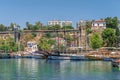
[{"x": 58, "y": 56}]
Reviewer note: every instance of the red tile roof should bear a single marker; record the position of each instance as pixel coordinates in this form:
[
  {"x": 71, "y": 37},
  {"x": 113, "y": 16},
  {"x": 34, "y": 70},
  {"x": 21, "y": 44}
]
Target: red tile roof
[{"x": 99, "y": 21}]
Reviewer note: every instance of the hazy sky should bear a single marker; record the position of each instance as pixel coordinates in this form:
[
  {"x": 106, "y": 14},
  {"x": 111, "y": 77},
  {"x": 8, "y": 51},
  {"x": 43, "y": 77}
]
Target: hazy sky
[{"x": 21, "y": 11}]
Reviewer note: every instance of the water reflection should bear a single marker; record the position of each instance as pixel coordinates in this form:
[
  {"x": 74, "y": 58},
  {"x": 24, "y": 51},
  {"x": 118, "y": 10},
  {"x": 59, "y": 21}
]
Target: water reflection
[
  {"x": 37, "y": 69},
  {"x": 94, "y": 70}
]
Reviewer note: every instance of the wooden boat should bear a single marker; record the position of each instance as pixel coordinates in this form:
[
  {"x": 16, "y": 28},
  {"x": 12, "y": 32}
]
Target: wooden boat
[
  {"x": 66, "y": 57},
  {"x": 38, "y": 56},
  {"x": 94, "y": 57},
  {"x": 116, "y": 63}
]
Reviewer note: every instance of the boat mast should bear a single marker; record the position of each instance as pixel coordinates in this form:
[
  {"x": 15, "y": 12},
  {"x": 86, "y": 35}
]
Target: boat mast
[
  {"x": 80, "y": 32},
  {"x": 5, "y": 44},
  {"x": 65, "y": 44}
]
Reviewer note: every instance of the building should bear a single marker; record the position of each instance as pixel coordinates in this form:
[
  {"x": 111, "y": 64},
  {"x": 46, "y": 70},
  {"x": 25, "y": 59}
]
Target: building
[
  {"x": 59, "y": 22},
  {"x": 96, "y": 24},
  {"x": 16, "y": 33},
  {"x": 60, "y": 41},
  {"x": 81, "y": 23},
  {"x": 32, "y": 46}
]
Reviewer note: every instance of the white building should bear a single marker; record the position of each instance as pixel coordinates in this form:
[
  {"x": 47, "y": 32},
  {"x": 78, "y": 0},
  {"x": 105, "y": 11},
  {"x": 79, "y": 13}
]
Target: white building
[
  {"x": 32, "y": 46},
  {"x": 61, "y": 23},
  {"x": 99, "y": 23}
]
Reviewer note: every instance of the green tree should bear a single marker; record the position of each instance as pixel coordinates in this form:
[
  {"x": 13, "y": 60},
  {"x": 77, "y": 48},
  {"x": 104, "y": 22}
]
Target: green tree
[
  {"x": 44, "y": 44},
  {"x": 51, "y": 42},
  {"x": 95, "y": 41},
  {"x": 3, "y": 27},
  {"x": 28, "y": 25},
  {"x": 69, "y": 39},
  {"x": 56, "y": 27},
  {"x": 39, "y": 25},
  {"x": 15, "y": 48},
  {"x": 12, "y": 46},
  {"x": 88, "y": 31},
  {"x": 111, "y": 22},
  {"x": 9, "y": 45},
  {"x": 34, "y": 34},
  {"x": 45, "y": 27},
  {"x": 48, "y": 35},
  {"x": 109, "y": 37},
  {"x": 88, "y": 25},
  {"x": 21, "y": 47},
  {"x": 67, "y": 27},
  {"x": 34, "y": 27},
  {"x": 12, "y": 26},
  {"x": 117, "y": 37},
  {"x": 117, "y": 33}
]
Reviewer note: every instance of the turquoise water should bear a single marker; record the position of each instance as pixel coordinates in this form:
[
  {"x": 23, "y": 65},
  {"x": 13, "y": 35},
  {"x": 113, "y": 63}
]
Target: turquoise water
[{"x": 37, "y": 69}]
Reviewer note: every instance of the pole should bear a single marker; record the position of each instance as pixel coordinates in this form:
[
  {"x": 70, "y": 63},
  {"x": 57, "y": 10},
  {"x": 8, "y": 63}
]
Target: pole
[
  {"x": 58, "y": 41},
  {"x": 86, "y": 40},
  {"x": 5, "y": 45},
  {"x": 65, "y": 44},
  {"x": 80, "y": 36}
]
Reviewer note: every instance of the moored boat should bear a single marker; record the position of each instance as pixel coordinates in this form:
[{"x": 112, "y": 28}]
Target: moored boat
[
  {"x": 66, "y": 57},
  {"x": 94, "y": 57},
  {"x": 116, "y": 63},
  {"x": 4, "y": 55},
  {"x": 107, "y": 59},
  {"x": 38, "y": 56}
]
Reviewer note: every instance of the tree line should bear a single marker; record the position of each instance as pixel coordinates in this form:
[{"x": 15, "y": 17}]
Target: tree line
[{"x": 37, "y": 26}]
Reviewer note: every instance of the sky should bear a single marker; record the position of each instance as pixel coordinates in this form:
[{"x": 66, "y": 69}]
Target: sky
[{"x": 21, "y": 11}]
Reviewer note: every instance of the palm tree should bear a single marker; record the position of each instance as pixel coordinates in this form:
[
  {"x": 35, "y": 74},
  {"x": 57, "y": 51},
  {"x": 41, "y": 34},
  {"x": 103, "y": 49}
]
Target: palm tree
[{"x": 39, "y": 25}]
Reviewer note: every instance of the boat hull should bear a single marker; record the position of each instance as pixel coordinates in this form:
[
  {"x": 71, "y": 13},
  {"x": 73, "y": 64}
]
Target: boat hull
[
  {"x": 4, "y": 55},
  {"x": 67, "y": 57},
  {"x": 39, "y": 56},
  {"x": 116, "y": 63}
]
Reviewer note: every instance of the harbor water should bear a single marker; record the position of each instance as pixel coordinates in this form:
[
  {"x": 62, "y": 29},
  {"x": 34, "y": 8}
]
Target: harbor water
[{"x": 38, "y": 69}]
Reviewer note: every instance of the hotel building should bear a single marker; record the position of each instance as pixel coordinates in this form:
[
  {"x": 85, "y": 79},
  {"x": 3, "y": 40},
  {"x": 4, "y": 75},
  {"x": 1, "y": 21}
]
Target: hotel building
[{"x": 59, "y": 22}]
